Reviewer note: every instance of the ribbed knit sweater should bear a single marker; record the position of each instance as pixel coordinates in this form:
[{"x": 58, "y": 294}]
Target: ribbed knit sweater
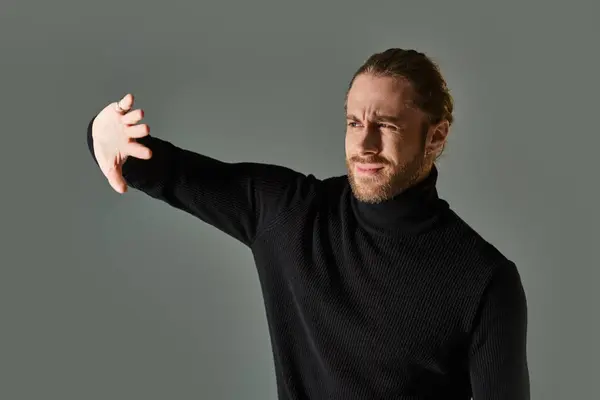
[{"x": 396, "y": 300}]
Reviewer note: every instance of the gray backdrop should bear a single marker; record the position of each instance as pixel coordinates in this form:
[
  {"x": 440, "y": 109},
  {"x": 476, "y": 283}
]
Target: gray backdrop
[{"x": 120, "y": 297}]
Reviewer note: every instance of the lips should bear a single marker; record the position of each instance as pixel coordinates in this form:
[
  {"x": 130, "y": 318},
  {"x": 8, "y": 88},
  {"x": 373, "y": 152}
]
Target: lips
[{"x": 368, "y": 168}]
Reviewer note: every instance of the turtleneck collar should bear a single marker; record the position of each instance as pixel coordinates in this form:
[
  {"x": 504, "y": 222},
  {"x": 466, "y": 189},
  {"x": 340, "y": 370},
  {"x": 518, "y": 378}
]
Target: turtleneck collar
[{"x": 411, "y": 211}]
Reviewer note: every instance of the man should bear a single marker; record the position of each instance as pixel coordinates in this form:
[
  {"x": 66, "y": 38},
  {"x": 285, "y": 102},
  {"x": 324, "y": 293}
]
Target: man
[{"x": 374, "y": 288}]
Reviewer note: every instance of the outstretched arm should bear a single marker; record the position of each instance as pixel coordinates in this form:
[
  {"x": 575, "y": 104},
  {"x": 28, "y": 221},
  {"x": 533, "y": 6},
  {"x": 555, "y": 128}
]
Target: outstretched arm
[
  {"x": 240, "y": 199},
  {"x": 498, "y": 352}
]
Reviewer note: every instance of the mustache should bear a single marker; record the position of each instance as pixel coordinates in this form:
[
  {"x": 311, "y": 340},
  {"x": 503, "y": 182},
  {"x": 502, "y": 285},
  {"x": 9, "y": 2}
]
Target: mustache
[{"x": 369, "y": 160}]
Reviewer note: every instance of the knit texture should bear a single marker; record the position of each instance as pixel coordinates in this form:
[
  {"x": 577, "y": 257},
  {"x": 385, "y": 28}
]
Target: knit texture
[{"x": 398, "y": 300}]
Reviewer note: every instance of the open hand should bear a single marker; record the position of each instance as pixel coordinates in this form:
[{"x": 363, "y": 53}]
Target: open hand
[{"x": 114, "y": 131}]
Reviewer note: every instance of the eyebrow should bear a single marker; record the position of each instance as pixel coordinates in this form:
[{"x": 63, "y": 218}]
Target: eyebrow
[{"x": 381, "y": 118}]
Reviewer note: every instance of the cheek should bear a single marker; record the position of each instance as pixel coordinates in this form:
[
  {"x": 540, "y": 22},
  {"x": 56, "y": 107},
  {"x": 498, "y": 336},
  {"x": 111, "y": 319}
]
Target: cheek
[
  {"x": 400, "y": 152},
  {"x": 348, "y": 143},
  {"x": 393, "y": 148}
]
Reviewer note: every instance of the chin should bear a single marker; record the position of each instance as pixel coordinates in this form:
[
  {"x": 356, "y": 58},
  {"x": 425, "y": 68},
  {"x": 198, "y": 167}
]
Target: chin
[{"x": 370, "y": 191}]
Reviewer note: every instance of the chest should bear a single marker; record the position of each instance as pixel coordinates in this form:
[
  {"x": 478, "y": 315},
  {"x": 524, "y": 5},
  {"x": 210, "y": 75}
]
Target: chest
[{"x": 354, "y": 299}]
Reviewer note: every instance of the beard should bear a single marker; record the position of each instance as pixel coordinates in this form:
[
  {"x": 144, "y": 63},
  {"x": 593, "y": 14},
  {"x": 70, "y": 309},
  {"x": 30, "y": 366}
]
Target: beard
[{"x": 386, "y": 183}]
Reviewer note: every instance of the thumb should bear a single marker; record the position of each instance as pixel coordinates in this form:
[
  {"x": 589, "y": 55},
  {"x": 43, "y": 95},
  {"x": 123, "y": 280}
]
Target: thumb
[{"x": 116, "y": 180}]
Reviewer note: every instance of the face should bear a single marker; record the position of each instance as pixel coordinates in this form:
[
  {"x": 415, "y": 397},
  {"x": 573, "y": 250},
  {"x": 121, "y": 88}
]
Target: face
[{"x": 387, "y": 138}]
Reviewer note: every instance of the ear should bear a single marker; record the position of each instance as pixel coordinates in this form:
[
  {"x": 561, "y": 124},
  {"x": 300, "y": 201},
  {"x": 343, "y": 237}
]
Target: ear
[{"x": 437, "y": 136}]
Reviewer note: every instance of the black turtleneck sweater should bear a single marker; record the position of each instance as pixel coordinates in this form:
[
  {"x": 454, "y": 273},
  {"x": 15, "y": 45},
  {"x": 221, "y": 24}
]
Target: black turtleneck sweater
[{"x": 398, "y": 300}]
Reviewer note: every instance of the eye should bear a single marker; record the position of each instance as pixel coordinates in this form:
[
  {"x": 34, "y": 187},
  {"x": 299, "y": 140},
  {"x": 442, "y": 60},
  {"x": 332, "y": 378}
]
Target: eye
[
  {"x": 353, "y": 124},
  {"x": 389, "y": 127}
]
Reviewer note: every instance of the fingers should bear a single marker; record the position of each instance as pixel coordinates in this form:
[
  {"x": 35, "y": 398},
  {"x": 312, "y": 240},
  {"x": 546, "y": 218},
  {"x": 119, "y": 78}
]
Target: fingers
[
  {"x": 137, "y": 131},
  {"x": 133, "y": 117},
  {"x": 138, "y": 150},
  {"x": 132, "y": 128},
  {"x": 125, "y": 104}
]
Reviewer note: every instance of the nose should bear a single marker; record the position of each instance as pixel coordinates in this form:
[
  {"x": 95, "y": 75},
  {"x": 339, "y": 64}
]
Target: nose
[{"x": 370, "y": 140}]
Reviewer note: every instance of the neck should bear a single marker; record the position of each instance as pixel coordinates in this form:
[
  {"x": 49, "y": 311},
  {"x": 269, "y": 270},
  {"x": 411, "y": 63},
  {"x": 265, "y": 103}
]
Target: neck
[{"x": 412, "y": 210}]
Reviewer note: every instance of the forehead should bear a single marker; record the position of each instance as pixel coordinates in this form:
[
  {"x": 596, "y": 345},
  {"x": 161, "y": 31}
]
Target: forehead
[{"x": 375, "y": 94}]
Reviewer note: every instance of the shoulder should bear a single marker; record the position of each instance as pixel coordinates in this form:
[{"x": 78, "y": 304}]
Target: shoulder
[
  {"x": 477, "y": 259},
  {"x": 483, "y": 275},
  {"x": 331, "y": 194},
  {"x": 464, "y": 238},
  {"x": 335, "y": 185},
  {"x": 299, "y": 192}
]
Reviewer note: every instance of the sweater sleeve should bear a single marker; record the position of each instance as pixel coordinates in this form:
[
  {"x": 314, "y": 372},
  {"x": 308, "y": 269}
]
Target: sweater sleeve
[
  {"x": 498, "y": 350},
  {"x": 240, "y": 199}
]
